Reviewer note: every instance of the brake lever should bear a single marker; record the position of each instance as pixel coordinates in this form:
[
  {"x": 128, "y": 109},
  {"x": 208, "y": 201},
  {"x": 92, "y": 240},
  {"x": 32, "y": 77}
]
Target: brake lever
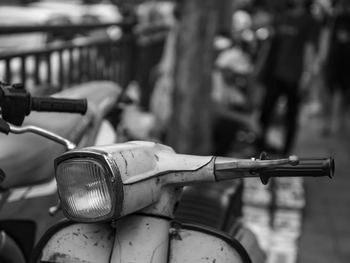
[{"x": 7, "y": 128}]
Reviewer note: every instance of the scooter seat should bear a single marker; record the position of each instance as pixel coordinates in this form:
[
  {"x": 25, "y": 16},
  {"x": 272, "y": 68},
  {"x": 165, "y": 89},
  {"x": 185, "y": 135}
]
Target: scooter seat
[{"x": 27, "y": 159}]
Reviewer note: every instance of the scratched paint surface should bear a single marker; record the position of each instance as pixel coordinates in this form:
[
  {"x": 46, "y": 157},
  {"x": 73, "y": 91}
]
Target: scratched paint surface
[
  {"x": 141, "y": 239},
  {"x": 80, "y": 243},
  {"x": 189, "y": 246}
]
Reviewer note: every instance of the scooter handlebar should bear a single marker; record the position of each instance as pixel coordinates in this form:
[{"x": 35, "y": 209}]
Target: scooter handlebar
[
  {"x": 59, "y": 105},
  {"x": 226, "y": 168},
  {"x": 304, "y": 168}
]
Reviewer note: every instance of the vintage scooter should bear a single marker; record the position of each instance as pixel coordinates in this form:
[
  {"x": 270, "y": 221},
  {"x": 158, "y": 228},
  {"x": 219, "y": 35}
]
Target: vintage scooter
[
  {"x": 121, "y": 199},
  {"x": 28, "y": 187}
]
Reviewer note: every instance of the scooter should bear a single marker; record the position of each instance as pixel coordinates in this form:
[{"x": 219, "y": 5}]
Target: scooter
[
  {"x": 28, "y": 187},
  {"x": 120, "y": 200},
  {"x": 215, "y": 205}
]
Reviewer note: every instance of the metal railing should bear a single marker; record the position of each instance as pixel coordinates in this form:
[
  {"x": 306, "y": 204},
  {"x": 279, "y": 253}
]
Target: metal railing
[
  {"x": 20, "y": 29},
  {"x": 53, "y": 67}
]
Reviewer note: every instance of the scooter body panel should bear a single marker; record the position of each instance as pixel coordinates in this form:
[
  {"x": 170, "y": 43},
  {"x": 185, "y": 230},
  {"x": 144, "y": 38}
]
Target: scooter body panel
[
  {"x": 80, "y": 243},
  {"x": 135, "y": 238},
  {"x": 140, "y": 238},
  {"x": 193, "y": 246}
]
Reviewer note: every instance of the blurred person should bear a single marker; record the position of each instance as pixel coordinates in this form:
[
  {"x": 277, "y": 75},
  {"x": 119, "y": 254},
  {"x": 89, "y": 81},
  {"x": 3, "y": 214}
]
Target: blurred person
[
  {"x": 336, "y": 67},
  {"x": 316, "y": 91},
  {"x": 285, "y": 70}
]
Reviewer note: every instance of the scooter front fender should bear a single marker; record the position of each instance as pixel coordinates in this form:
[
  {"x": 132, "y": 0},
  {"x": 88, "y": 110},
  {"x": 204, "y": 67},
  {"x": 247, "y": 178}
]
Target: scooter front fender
[
  {"x": 76, "y": 243},
  {"x": 136, "y": 238}
]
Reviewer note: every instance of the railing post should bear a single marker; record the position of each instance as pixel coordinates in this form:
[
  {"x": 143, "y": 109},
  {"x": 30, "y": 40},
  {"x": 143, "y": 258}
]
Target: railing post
[
  {"x": 36, "y": 69},
  {"x": 23, "y": 69},
  {"x": 48, "y": 65},
  {"x": 60, "y": 70},
  {"x": 8, "y": 74},
  {"x": 71, "y": 68},
  {"x": 130, "y": 52}
]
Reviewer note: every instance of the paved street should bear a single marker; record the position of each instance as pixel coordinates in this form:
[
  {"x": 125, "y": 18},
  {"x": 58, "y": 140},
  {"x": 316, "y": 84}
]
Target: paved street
[{"x": 326, "y": 227}]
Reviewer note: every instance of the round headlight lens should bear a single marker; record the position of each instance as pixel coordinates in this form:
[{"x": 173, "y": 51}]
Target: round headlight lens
[{"x": 85, "y": 189}]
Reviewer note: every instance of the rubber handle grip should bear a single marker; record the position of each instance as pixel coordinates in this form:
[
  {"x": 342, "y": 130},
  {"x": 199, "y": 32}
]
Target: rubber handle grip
[
  {"x": 59, "y": 105},
  {"x": 305, "y": 168}
]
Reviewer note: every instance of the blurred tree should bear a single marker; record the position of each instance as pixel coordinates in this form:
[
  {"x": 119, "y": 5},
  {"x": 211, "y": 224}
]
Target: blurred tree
[{"x": 190, "y": 128}]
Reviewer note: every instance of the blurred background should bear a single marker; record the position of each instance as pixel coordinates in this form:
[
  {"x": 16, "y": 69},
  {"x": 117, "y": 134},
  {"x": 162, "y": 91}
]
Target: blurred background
[{"x": 229, "y": 77}]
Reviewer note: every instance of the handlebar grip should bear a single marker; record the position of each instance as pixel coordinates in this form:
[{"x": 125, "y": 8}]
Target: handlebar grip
[
  {"x": 59, "y": 105},
  {"x": 305, "y": 168}
]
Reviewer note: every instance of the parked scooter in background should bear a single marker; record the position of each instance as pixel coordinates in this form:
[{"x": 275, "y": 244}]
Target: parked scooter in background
[
  {"x": 121, "y": 199},
  {"x": 28, "y": 187}
]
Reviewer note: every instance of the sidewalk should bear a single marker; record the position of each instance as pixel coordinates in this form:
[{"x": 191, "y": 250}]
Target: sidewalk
[{"x": 326, "y": 220}]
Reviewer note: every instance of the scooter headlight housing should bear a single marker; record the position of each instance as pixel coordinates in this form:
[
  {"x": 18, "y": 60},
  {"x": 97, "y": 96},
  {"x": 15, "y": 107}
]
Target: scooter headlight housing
[{"x": 89, "y": 186}]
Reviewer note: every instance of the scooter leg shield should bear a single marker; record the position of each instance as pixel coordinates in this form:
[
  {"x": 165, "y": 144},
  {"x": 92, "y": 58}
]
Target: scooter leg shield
[{"x": 76, "y": 243}]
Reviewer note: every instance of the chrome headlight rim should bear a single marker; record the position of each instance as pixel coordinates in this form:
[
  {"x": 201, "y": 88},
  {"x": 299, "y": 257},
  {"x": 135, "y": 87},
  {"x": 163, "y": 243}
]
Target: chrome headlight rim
[{"x": 114, "y": 180}]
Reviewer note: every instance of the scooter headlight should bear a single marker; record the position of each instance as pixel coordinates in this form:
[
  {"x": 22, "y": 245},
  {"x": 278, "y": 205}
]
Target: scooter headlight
[{"x": 89, "y": 187}]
